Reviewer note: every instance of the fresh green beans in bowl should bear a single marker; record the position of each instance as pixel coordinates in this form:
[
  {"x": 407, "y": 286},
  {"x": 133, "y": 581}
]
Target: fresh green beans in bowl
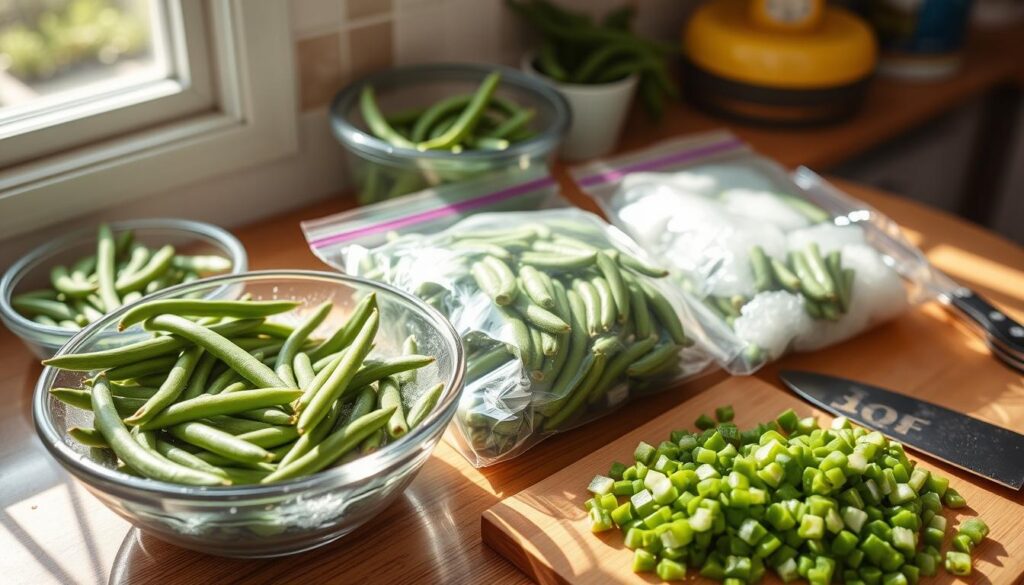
[
  {"x": 54, "y": 290},
  {"x": 266, "y": 424},
  {"x": 410, "y": 128}
]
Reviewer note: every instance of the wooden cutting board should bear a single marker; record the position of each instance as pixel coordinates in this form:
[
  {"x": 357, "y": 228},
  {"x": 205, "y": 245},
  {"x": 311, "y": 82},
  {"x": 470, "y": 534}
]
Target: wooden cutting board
[{"x": 545, "y": 532}]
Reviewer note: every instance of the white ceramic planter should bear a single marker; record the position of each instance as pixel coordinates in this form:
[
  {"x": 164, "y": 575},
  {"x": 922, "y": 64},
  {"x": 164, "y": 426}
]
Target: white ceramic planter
[{"x": 598, "y": 113}]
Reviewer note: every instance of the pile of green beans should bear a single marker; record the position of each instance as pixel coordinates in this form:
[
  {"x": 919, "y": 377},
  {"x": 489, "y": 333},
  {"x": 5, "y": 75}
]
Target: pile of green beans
[
  {"x": 220, "y": 396},
  {"x": 822, "y": 504},
  {"x": 458, "y": 123},
  {"x": 575, "y": 49},
  {"x": 121, "y": 272},
  {"x": 584, "y": 316}
]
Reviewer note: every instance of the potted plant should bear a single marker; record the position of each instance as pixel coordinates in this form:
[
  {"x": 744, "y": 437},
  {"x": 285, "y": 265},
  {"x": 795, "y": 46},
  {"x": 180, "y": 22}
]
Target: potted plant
[{"x": 598, "y": 66}]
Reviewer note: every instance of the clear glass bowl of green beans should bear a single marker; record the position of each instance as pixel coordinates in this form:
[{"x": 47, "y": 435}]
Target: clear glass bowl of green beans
[
  {"x": 410, "y": 128},
  {"x": 34, "y": 273},
  {"x": 269, "y": 515}
]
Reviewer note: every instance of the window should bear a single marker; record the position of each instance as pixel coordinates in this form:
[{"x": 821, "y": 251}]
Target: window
[{"x": 105, "y": 100}]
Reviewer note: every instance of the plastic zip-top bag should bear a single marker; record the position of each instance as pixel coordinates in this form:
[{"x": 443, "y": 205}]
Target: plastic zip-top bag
[
  {"x": 562, "y": 316},
  {"x": 774, "y": 266}
]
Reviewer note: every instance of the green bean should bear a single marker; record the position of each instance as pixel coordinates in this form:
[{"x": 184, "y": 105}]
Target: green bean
[
  {"x": 636, "y": 265},
  {"x": 46, "y": 320},
  {"x": 235, "y": 425},
  {"x": 208, "y": 405},
  {"x": 809, "y": 285},
  {"x": 88, "y": 437},
  {"x": 108, "y": 423},
  {"x": 271, "y": 437},
  {"x": 83, "y": 268},
  {"x": 653, "y": 360},
  {"x": 539, "y": 316},
  {"x": 202, "y": 264},
  {"x": 376, "y": 122},
  {"x": 618, "y": 366},
  {"x": 809, "y": 210},
  {"x": 338, "y": 382},
  {"x": 235, "y": 357},
  {"x": 834, "y": 264},
  {"x": 607, "y": 303},
  {"x": 537, "y": 359},
  {"x": 374, "y": 370},
  {"x": 236, "y": 386},
  {"x": 434, "y": 116},
  {"x": 488, "y": 143},
  {"x": 64, "y": 284},
  {"x": 172, "y": 387},
  {"x": 762, "y": 269},
  {"x": 580, "y": 393},
  {"x": 521, "y": 339},
  {"x": 283, "y": 364},
  {"x": 156, "y": 365},
  {"x": 86, "y": 310},
  {"x": 321, "y": 376},
  {"x": 344, "y": 335},
  {"x": 81, "y": 399},
  {"x": 219, "y": 442},
  {"x": 139, "y": 256},
  {"x": 548, "y": 63},
  {"x": 336, "y": 445},
  {"x": 131, "y": 391},
  {"x": 812, "y": 308},
  {"x": 551, "y": 261},
  {"x": 128, "y": 354},
  {"x": 571, "y": 373},
  {"x": 203, "y": 308},
  {"x": 784, "y": 276},
  {"x": 591, "y": 302},
  {"x": 105, "y": 261},
  {"x": 819, "y": 271},
  {"x": 123, "y": 243},
  {"x": 490, "y": 360},
  {"x": 512, "y": 124},
  {"x": 533, "y": 284},
  {"x": 180, "y": 456},
  {"x": 548, "y": 343},
  {"x": 487, "y": 281},
  {"x": 483, "y": 248},
  {"x": 69, "y": 324},
  {"x": 524, "y": 233},
  {"x": 303, "y": 369},
  {"x": 665, "y": 314},
  {"x": 38, "y": 306},
  {"x": 849, "y": 275},
  {"x": 267, "y": 414},
  {"x": 829, "y": 310},
  {"x": 410, "y": 347},
  {"x": 390, "y": 397},
  {"x": 468, "y": 118},
  {"x": 222, "y": 380},
  {"x": 423, "y": 405},
  {"x": 507, "y": 288},
  {"x": 726, "y": 308},
  {"x": 305, "y": 442},
  {"x": 405, "y": 117},
  {"x": 620, "y": 294}
]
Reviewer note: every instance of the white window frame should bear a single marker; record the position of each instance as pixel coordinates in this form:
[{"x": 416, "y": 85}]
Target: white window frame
[{"x": 252, "y": 121}]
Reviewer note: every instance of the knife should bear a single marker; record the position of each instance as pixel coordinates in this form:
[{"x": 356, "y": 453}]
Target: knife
[
  {"x": 976, "y": 446},
  {"x": 1003, "y": 335}
]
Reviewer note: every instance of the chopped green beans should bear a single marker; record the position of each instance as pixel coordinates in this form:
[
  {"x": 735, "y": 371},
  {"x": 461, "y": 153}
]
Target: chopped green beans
[
  {"x": 221, "y": 416},
  {"x": 787, "y": 496},
  {"x": 117, "y": 274}
]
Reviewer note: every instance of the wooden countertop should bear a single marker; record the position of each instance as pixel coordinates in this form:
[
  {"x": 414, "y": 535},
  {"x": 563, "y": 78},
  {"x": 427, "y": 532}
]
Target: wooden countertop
[
  {"x": 53, "y": 531},
  {"x": 892, "y": 107}
]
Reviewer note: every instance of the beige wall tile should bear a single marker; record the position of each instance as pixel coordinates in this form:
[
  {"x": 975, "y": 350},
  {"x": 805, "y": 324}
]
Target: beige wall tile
[
  {"x": 320, "y": 70},
  {"x": 366, "y": 8},
  {"x": 370, "y": 47},
  {"x": 316, "y": 17}
]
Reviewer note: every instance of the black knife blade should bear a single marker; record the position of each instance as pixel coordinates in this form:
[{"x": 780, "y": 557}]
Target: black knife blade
[{"x": 976, "y": 446}]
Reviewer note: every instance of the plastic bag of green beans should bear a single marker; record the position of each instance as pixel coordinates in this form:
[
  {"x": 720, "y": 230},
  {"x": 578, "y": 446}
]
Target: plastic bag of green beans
[
  {"x": 775, "y": 262},
  {"x": 562, "y": 316}
]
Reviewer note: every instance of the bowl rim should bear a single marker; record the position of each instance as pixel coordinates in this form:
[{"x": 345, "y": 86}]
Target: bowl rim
[
  {"x": 355, "y": 138},
  {"x": 354, "y": 471},
  {"x": 234, "y": 247}
]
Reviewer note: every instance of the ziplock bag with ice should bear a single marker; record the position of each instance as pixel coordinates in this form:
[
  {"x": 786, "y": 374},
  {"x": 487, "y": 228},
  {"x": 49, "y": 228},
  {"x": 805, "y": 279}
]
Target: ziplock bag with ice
[
  {"x": 562, "y": 316},
  {"x": 775, "y": 267}
]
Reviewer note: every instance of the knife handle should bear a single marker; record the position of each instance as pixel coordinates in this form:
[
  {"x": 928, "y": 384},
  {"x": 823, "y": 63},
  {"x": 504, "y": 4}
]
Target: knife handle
[{"x": 1001, "y": 331}]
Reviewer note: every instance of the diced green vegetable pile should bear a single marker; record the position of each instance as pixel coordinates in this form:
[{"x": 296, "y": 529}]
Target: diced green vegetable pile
[{"x": 836, "y": 504}]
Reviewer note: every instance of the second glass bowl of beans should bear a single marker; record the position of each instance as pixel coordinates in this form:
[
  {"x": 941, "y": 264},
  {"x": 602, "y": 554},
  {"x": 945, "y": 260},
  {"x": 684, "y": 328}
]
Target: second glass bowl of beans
[
  {"x": 33, "y": 273},
  {"x": 444, "y": 123},
  {"x": 289, "y": 515}
]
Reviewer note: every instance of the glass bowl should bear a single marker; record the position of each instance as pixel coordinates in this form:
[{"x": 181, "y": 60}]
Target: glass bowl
[
  {"x": 280, "y": 518},
  {"x": 382, "y": 171},
  {"x": 32, "y": 271}
]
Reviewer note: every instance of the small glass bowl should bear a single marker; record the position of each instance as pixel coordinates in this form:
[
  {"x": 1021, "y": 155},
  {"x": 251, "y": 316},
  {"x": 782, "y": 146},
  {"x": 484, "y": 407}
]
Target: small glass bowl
[
  {"x": 382, "y": 171},
  {"x": 279, "y": 518},
  {"x": 32, "y": 271}
]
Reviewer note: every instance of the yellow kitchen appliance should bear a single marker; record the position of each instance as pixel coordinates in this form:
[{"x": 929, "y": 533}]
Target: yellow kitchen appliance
[{"x": 781, "y": 62}]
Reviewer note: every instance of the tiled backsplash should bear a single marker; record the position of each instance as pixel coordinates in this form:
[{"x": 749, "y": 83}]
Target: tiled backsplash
[{"x": 340, "y": 40}]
